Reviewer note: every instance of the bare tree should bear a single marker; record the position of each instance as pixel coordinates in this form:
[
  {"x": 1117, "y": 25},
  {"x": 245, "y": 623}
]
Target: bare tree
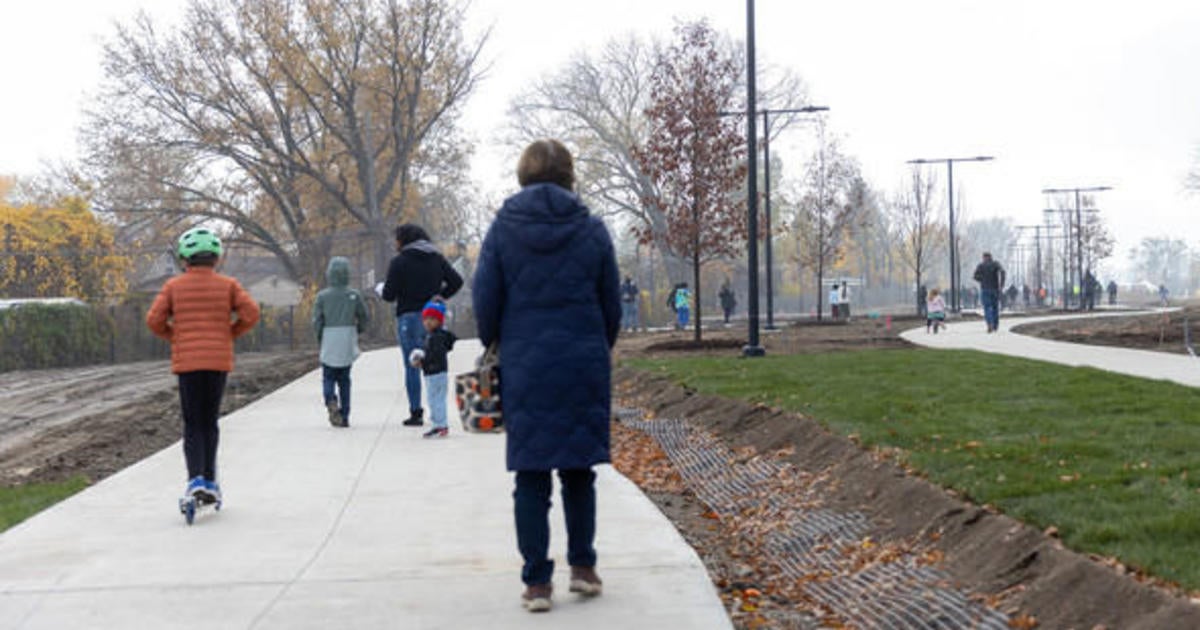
[
  {"x": 597, "y": 104},
  {"x": 1162, "y": 260},
  {"x": 1192, "y": 182},
  {"x": 915, "y": 220},
  {"x": 827, "y": 210},
  {"x": 287, "y": 121}
]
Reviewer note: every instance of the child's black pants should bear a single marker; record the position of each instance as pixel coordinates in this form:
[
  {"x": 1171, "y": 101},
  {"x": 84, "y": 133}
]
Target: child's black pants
[{"x": 200, "y": 396}]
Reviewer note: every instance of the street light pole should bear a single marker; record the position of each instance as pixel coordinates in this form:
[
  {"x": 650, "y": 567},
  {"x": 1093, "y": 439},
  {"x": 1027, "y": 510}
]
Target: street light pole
[
  {"x": 1078, "y": 229},
  {"x": 767, "y": 244},
  {"x": 752, "y": 349},
  {"x": 955, "y": 275}
]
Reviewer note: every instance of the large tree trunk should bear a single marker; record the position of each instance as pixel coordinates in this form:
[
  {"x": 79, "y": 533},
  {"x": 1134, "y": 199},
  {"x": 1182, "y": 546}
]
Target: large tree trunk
[{"x": 697, "y": 292}]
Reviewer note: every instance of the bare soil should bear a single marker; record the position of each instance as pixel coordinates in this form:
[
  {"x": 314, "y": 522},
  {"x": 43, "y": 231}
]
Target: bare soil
[
  {"x": 94, "y": 421},
  {"x": 1023, "y": 572},
  {"x": 1161, "y": 332},
  {"x": 793, "y": 338}
]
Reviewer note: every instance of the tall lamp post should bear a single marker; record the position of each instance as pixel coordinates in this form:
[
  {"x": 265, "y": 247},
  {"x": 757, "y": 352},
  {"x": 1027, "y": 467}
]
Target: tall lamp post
[
  {"x": 766, "y": 114},
  {"x": 955, "y": 281},
  {"x": 1078, "y": 227},
  {"x": 753, "y": 348},
  {"x": 768, "y": 246}
]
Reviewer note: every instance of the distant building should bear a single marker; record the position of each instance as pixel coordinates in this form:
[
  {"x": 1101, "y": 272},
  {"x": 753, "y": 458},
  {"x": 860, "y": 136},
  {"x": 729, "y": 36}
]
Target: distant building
[{"x": 264, "y": 277}]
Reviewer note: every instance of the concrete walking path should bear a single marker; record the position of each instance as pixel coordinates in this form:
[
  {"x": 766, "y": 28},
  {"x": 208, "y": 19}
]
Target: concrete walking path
[
  {"x": 370, "y": 527},
  {"x": 972, "y": 335}
]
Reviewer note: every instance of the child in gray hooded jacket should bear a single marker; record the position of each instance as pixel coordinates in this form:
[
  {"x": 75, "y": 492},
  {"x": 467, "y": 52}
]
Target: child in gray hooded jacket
[{"x": 339, "y": 315}]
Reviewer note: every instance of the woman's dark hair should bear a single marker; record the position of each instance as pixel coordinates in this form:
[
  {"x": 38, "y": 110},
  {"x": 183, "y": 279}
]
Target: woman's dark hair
[
  {"x": 546, "y": 162},
  {"x": 410, "y": 233}
]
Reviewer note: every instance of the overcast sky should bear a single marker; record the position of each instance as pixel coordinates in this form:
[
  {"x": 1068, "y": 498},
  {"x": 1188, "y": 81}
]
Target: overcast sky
[{"x": 1064, "y": 93}]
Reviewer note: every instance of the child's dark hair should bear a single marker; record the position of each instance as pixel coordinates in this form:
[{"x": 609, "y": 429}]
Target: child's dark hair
[{"x": 203, "y": 259}]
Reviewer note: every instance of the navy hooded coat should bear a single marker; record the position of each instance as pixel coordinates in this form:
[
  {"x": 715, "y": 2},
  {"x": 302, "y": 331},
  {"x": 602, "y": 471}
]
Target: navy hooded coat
[{"x": 546, "y": 287}]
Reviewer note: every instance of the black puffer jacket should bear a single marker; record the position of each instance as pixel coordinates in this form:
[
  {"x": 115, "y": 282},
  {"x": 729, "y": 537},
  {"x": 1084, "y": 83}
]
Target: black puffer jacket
[
  {"x": 417, "y": 274},
  {"x": 438, "y": 345}
]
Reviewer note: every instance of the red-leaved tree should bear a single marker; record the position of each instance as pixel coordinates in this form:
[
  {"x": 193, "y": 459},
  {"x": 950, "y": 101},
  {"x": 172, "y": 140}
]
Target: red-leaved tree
[{"x": 695, "y": 156}]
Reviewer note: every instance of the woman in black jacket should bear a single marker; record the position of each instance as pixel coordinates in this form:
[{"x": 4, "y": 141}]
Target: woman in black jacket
[{"x": 417, "y": 274}]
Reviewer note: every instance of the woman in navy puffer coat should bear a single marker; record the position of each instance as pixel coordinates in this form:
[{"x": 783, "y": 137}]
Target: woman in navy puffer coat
[{"x": 547, "y": 288}]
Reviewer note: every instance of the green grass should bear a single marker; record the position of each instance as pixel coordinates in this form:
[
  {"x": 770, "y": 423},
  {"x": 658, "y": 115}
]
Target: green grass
[
  {"x": 1103, "y": 457},
  {"x": 20, "y": 502}
]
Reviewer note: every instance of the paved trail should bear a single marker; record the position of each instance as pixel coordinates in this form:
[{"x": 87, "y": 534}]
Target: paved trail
[
  {"x": 323, "y": 528},
  {"x": 1181, "y": 369}
]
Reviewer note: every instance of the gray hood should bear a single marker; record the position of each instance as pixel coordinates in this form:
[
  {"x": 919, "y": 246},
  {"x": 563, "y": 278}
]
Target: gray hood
[{"x": 338, "y": 272}]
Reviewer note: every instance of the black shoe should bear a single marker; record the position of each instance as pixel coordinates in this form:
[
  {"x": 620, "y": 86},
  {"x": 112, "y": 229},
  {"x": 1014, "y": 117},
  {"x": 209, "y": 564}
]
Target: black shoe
[{"x": 417, "y": 419}]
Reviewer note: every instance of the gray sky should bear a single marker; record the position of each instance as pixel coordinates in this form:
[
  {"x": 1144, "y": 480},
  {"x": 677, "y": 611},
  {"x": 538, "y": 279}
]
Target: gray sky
[{"x": 1063, "y": 93}]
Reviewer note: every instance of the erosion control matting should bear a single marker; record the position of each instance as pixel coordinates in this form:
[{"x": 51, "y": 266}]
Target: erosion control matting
[{"x": 880, "y": 547}]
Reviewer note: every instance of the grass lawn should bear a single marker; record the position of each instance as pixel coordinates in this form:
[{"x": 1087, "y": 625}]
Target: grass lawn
[
  {"x": 1105, "y": 458},
  {"x": 21, "y": 502}
]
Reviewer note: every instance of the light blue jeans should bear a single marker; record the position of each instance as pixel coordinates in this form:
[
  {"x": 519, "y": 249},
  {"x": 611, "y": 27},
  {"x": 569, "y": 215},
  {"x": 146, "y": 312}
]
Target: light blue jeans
[
  {"x": 438, "y": 385},
  {"x": 410, "y": 332}
]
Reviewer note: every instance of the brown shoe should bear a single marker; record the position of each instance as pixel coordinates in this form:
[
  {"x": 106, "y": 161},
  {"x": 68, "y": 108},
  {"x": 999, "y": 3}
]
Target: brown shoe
[
  {"x": 537, "y": 597},
  {"x": 585, "y": 581}
]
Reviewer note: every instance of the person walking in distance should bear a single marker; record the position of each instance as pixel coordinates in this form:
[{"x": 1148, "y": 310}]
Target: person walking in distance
[
  {"x": 629, "y": 305},
  {"x": 935, "y": 312},
  {"x": 415, "y": 276},
  {"x": 728, "y": 300},
  {"x": 683, "y": 305},
  {"x": 193, "y": 312},
  {"x": 1112, "y": 292},
  {"x": 990, "y": 276},
  {"x": 434, "y": 361},
  {"x": 547, "y": 289},
  {"x": 339, "y": 317},
  {"x": 835, "y": 295}
]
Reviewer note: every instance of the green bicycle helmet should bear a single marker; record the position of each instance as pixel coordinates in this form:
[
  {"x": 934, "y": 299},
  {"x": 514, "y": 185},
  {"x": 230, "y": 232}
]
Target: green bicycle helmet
[{"x": 199, "y": 241}]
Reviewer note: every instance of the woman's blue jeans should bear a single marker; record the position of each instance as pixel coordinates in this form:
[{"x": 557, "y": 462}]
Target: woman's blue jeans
[
  {"x": 532, "y": 507},
  {"x": 410, "y": 332}
]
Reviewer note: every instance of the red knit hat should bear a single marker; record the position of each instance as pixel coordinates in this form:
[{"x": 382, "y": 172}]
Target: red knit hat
[{"x": 436, "y": 310}]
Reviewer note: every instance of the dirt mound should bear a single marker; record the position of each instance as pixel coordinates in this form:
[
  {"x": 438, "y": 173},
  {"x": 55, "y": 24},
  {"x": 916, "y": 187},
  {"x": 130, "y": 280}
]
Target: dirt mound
[
  {"x": 689, "y": 345},
  {"x": 801, "y": 337},
  {"x": 1015, "y": 566},
  {"x": 95, "y": 421},
  {"x": 1164, "y": 332}
]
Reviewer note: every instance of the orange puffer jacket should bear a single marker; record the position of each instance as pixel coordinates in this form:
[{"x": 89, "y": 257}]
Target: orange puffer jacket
[{"x": 194, "y": 311}]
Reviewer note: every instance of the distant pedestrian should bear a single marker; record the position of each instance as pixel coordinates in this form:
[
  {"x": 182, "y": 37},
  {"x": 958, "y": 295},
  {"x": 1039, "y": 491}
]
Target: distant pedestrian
[
  {"x": 415, "y": 276},
  {"x": 1089, "y": 291},
  {"x": 1164, "y": 295},
  {"x": 629, "y": 304},
  {"x": 339, "y": 316},
  {"x": 1011, "y": 296},
  {"x": 547, "y": 289},
  {"x": 728, "y": 300},
  {"x": 990, "y": 276},
  {"x": 434, "y": 361},
  {"x": 844, "y": 302},
  {"x": 683, "y": 305},
  {"x": 193, "y": 312},
  {"x": 671, "y": 305},
  {"x": 835, "y": 296},
  {"x": 935, "y": 309},
  {"x": 1026, "y": 295},
  {"x": 1112, "y": 292}
]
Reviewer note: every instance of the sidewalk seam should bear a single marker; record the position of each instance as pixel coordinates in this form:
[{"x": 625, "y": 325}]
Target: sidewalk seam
[{"x": 287, "y": 587}]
